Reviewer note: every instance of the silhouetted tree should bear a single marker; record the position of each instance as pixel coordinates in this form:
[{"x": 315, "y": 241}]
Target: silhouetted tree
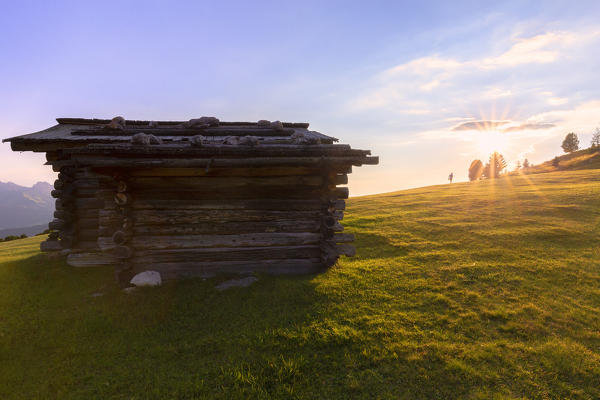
[
  {"x": 518, "y": 166},
  {"x": 571, "y": 143},
  {"x": 486, "y": 171},
  {"x": 596, "y": 139},
  {"x": 526, "y": 163},
  {"x": 496, "y": 165},
  {"x": 475, "y": 170}
]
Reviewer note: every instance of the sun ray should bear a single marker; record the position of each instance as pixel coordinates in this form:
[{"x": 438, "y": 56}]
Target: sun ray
[{"x": 537, "y": 191}]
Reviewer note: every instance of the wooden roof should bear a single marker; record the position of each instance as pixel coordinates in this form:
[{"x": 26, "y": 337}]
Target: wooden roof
[
  {"x": 78, "y": 132},
  {"x": 199, "y": 142}
]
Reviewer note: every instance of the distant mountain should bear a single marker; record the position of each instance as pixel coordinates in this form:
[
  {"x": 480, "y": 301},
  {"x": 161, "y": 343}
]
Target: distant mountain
[
  {"x": 28, "y": 230},
  {"x": 22, "y": 206}
]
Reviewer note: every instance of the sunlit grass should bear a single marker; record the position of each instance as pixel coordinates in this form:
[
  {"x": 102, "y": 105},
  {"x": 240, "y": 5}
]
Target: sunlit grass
[
  {"x": 582, "y": 159},
  {"x": 482, "y": 290}
]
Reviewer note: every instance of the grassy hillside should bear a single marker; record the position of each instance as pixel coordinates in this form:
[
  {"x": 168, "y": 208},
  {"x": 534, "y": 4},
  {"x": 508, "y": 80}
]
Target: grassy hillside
[
  {"x": 483, "y": 290},
  {"x": 582, "y": 159}
]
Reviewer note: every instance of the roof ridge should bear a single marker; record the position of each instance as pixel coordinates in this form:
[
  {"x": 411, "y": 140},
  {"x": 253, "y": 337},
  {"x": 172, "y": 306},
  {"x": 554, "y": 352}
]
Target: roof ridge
[{"x": 99, "y": 121}]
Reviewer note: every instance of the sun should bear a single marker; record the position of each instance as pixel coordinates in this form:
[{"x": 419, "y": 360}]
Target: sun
[{"x": 489, "y": 141}]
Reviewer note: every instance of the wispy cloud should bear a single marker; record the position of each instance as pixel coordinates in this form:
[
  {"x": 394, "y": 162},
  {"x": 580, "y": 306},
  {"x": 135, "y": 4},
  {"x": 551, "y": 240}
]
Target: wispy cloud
[
  {"x": 484, "y": 77},
  {"x": 528, "y": 126},
  {"x": 544, "y": 48},
  {"x": 479, "y": 125}
]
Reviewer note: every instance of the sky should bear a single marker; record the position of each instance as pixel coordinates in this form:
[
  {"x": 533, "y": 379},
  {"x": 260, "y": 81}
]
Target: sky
[{"x": 427, "y": 86}]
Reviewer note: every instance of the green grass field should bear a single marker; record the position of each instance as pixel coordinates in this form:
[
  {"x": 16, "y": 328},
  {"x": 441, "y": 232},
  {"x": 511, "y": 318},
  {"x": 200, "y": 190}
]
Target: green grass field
[{"x": 482, "y": 290}]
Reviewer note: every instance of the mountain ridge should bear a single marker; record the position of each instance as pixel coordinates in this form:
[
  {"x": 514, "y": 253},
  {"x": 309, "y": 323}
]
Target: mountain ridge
[{"x": 22, "y": 206}]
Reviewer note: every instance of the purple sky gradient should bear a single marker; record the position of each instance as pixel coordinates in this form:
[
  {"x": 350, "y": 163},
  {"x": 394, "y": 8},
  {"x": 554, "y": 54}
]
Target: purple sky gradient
[{"x": 393, "y": 77}]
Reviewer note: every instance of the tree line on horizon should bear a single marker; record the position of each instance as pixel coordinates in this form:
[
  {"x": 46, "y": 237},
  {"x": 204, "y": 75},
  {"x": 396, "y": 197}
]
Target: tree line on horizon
[{"x": 496, "y": 163}]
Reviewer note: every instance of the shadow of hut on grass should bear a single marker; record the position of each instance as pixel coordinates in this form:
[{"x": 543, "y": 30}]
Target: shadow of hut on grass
[
  {"x": 372, "y": 245},
  {"x": 186, "y": 310}
]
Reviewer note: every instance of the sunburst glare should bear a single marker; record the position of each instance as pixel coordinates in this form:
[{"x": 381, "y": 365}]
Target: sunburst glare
[{"x": 489, "y": 141}]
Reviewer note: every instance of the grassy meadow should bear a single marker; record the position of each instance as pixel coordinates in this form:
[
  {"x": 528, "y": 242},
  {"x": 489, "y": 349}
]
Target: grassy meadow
[
  {"x": 582, "y": 159},
  {"x": 484, "y": 290}
]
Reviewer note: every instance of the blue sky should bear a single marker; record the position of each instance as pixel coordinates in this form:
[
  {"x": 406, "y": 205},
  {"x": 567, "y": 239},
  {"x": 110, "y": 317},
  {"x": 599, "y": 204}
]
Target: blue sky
[{"x": 413, "y": 81}]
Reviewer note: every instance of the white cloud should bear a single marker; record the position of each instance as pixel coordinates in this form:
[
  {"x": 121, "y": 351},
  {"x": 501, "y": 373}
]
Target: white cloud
[
  {"x": 538, "y": 49},
  {"x": 582, "y": 118},
  {"x": 422, "y": 66},
  {"x": 424, "y": 76},
  {"x": 430, "y": 85},
  {"x": 556, "y": 101},
  {"x": 496, "y": 92}
]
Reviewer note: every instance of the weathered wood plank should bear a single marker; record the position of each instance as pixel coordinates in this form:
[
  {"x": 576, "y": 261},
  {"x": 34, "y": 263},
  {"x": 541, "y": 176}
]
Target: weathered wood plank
[
  {"x": 244, "y": 204},
  {"x": 85, "y": 213},
  {"x": 226, "y": 254},
  {"x": 88, "y": 203},
  {"x": 52, "y": 156},
  {"x": 212, "y": 183},
  {"x": 91, "y": 259},
  {"x": 121, "y": 252},
  {"x": 199, "y": 241},
  {"x": 208, "y": 269},
  {"x": 56, "y": 225},
  {"x": 92, "y": 193},
  {"x": 339, "y": 204},
  {"x": 324, "y": 162},
  {"x": 63, "y": 215},
  {"x": 341, "y": 192},
  {"x": 184, "y": 149},
  {"x": 178, "y": 216},
  {"x": 122, "y": 199},
  {"x": 215, "y": 228},
  {"x": 81, "y": 245},
  {"x": 86, "y": 184},
  {"x": 340, "y": 179},
  {"x": 226, "y": 172},
  {"x": 292, "y": 192},
  {"x": 87, "y": 234},
  {"x": 120, "y": 237}
]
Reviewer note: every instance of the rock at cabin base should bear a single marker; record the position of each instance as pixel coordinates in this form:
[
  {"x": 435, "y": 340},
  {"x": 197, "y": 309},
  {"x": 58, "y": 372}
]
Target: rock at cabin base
[
  {"x": 146, "y": 278},
  {"x": 244, "y": 282}
]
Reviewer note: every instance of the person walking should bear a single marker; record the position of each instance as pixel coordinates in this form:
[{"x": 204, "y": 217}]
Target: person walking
[{"x": 451, "y": 176}]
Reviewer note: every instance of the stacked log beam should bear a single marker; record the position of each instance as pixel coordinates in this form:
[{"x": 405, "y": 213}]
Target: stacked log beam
[
  {"x": 61, "y": 227},
  {"x": 115, "y": 224},
  {"x": 334, "y": 244},
  {"x": 78, "y": 202},
  {"x": 191, "y": 218}
]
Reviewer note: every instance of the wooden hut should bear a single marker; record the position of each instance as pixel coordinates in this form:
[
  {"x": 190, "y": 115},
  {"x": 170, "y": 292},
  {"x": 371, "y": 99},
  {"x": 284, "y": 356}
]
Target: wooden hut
[{"x": 196, "y": 198}]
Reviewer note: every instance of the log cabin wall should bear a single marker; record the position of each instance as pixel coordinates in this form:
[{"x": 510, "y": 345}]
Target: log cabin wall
[{"x": 262, "y": 199}]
